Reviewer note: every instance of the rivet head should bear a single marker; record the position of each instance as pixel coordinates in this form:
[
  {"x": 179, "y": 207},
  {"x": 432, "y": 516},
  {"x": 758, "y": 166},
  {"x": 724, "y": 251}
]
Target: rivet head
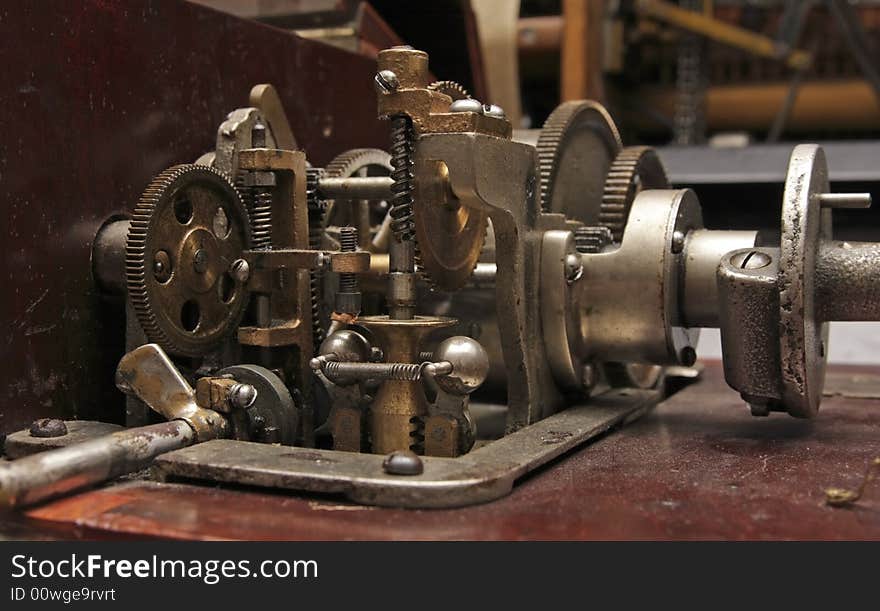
[
  {"x": 403, "y": 462},
  {"x": 48, "y": 427},
  {"x": 466, "y": 105}
]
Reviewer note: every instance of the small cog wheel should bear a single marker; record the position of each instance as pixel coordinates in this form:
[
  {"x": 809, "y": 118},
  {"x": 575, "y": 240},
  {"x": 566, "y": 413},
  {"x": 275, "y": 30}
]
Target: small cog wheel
[
  {"x": 450, "y": 88},
  {"x": 188, "y": 227},
  {"x": 636, "y": 168}
]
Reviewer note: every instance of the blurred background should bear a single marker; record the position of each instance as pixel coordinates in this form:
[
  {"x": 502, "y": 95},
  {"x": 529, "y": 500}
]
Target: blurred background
[{"x": 723, "y": 88}]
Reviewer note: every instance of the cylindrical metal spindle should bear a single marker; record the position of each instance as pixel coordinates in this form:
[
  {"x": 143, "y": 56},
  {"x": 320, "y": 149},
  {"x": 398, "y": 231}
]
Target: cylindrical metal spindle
[
  {"x": 848, "y": 281},
  {"x": 373, "y": 188}
]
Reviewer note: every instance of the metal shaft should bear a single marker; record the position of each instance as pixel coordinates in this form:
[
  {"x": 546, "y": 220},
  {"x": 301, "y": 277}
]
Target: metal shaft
[
  {"x": 848, "y": 281},
  {"x": 53, "y": 473},
  {"x": 374, "y": 188},
  {"x": 404, "y": 372}
]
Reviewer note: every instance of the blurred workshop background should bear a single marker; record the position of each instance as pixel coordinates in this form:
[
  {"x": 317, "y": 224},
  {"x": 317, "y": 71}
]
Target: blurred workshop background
[{"x": 723, "y": 88}]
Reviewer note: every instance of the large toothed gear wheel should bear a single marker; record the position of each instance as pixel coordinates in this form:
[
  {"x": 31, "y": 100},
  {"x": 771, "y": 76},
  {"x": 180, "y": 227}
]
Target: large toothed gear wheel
[
  {"x": 636, "y": 168},
  {"x": 186, "y": 230},
  {"x": 576, "y": 147},
  {"x": 357, "y": 162}
]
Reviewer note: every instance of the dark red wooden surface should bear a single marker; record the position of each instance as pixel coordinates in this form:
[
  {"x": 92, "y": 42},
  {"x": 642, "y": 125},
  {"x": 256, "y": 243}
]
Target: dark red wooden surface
[
  {"x": 96, "y": 97},
  {"x": 699, "y": 467}
]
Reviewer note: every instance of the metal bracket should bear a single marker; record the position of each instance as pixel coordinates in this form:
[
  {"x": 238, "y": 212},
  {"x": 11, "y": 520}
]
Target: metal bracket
[{"x": 483, "y": 475}]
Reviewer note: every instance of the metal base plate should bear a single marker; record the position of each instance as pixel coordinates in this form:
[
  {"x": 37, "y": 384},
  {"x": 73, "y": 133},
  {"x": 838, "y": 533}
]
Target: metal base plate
[{"x": 483, "y": 475}]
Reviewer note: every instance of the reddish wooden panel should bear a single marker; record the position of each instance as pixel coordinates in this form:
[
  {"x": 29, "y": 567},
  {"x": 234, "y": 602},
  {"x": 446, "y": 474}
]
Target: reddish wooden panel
[{"x": 96, "y": 97}]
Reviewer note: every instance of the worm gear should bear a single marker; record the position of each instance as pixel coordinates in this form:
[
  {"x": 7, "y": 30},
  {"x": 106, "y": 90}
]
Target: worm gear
[
  {"x": 576, "y": 148},
  {"x": 188, "y": 227},
  {"x": 635, "y": 168},
  {"x": 449, "y": 237}
]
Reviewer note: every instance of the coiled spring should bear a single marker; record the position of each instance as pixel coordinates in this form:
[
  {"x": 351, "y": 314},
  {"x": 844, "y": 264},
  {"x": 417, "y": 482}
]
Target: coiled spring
[
  {"x": 315, "y": 207},
  {"x": 261, "y": 219},
  {"x": 348, "y": 241},
  {"x": 404, "y": 372},
  {"x": 402, "y": 223}
]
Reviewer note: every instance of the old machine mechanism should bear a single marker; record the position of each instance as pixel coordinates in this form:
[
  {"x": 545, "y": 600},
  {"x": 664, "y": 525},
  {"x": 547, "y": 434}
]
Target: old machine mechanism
[{"x": 325, "y": 329}]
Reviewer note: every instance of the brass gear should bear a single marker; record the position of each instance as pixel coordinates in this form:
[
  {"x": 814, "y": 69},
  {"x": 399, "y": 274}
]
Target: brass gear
[
  {"x": 450, "y": 88},
  {"x": 635, "y": 168},
  {"x": 186, "y": 230},
  {"x": 449, "y": 236},
  {"x": 576, "y": 147}
]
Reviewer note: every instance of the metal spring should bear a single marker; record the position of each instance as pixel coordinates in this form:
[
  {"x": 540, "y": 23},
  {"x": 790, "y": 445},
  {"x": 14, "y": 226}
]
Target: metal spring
[
  {"x": 348, "y": 240},
  {"x": 315, "y": 209},
  {"x": 403, "y": 372},
  {"x": 261, "y": 219},
  {"x": 402, "y": 224}
]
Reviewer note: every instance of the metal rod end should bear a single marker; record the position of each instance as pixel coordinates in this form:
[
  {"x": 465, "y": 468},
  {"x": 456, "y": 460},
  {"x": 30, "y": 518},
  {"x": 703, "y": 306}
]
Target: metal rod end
[{"x": 845, "y": 200}]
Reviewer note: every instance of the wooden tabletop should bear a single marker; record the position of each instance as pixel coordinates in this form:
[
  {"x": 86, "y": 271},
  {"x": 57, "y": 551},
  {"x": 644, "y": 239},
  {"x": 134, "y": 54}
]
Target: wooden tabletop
[{"x": 698, "y": 467}]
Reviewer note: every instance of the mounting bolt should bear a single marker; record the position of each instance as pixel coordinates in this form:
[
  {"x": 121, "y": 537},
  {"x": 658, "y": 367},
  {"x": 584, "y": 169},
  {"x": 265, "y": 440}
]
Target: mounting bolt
[
  {"x": 752, "y": 259},
  {"x": 240, "y": 270},
  {"x": 403, "y": 462},
  {"x": 574, "y": 269},
  {"x": 242, "y": 396},
  {"x": 677, "y": 241},
  {"x": 200, "y": 261},
  {"x": 161, "y": 266},
  {"x": 493, "y": 110},
  {"x": 48, "y": 427},
  {"x": 386, "y": 81},
  {"x": 466, "y": 105}
]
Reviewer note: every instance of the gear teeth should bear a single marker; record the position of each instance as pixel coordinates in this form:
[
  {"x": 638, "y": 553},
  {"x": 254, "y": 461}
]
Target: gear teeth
[
  {"x": 450, "y": 88},
  {"x": 591, "y": 239},
  {"x": 635, "y": 168},
  {"x": 136, "y": 251},
  {"x": 551, "y": 141},
  {"x": 316, "y": 209},
  {"x": 349, "y": 162}
]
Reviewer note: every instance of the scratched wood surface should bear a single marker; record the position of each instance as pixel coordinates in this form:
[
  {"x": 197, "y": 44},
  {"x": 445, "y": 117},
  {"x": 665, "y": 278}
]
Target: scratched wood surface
[{"x": 699, "y": 467}]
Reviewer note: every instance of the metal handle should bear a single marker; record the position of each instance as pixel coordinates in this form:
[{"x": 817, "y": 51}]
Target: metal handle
[
  {"x": 148, "y": 373},
  {"x": 56, "y": 472}
]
